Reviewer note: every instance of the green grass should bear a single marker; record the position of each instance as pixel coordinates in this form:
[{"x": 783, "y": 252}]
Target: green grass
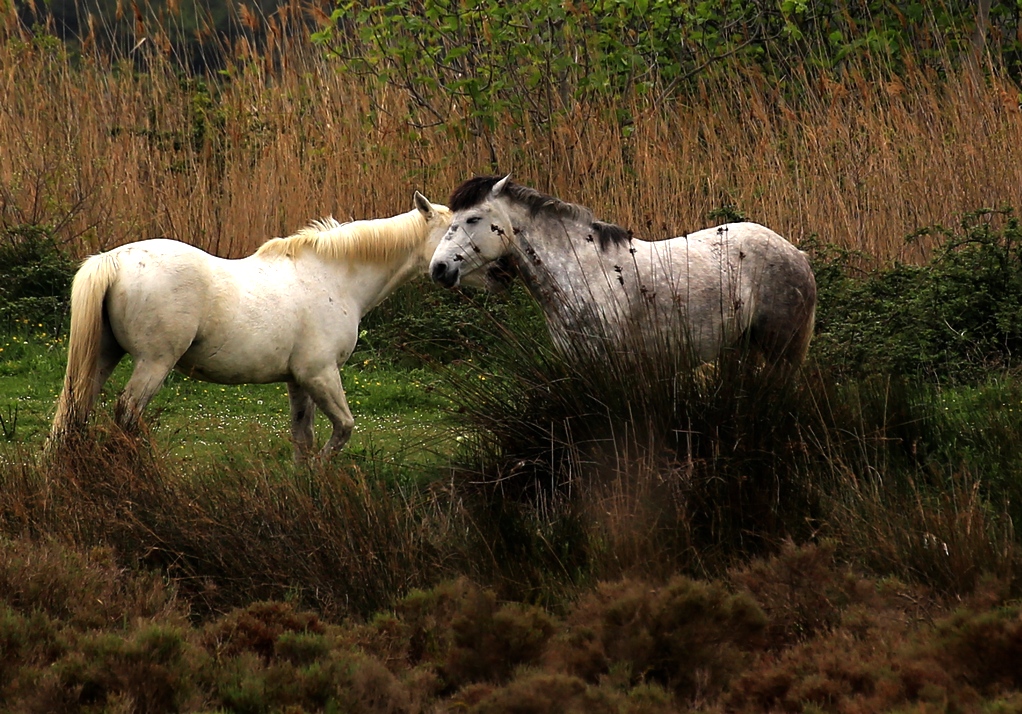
[
  {"x": 31, "y": 370},
  {"x": 400, "y": 414}
]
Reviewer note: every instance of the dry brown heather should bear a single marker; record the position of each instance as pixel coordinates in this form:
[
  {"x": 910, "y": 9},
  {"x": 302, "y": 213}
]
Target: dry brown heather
[{"x": 289, "y": 138}]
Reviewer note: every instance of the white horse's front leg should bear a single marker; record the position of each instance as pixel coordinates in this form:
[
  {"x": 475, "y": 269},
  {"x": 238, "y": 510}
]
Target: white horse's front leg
[
  {"x": 326, "y": 390},
  {"x": 303, "y": 413}
]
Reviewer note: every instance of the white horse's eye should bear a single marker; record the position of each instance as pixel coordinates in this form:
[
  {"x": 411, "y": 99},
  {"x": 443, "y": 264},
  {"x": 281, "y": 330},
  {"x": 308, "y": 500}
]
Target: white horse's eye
[{"x": 473, "y": 220}]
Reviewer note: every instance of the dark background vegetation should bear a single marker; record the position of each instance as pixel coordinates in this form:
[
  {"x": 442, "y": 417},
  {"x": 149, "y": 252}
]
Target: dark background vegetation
[{"x": 596, "y": 537}]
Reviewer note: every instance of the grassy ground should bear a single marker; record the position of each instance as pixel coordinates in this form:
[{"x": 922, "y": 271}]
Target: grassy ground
[{"x": 399, "y": 412}]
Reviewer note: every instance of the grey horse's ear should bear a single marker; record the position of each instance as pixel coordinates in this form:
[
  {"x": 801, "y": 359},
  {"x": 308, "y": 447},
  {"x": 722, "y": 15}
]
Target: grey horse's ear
[
  {"x": 424, "y": 206},
  {"x": 498, "y": 187}
]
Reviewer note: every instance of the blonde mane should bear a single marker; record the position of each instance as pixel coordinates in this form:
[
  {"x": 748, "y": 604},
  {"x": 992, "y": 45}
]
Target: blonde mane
[{"x": 373, "y": 240}]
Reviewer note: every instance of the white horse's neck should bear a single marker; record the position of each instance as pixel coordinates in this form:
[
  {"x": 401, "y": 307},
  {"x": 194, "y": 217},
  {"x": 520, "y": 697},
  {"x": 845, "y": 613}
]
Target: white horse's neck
[
  {"x": 414, "y": 264},
  {"x": 377, "y": 279},
  {"x": 370, "y": 258}
]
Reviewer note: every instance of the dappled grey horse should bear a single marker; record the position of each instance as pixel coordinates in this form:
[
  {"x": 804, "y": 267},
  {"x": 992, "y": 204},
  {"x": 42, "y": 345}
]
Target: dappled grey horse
[{"x": 603, "y": 290}]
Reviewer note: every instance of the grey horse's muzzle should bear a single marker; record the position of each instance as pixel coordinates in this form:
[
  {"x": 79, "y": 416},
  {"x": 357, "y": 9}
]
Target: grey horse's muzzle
[{"x": 446, "y": 274}]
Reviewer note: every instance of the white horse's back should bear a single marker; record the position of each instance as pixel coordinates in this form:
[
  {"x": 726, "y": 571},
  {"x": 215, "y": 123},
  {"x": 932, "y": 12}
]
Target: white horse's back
[{"x": 220, "y": 319}]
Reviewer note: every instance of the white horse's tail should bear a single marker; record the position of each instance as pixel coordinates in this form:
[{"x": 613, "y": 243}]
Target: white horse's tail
[{"x": 88, "y": 292}]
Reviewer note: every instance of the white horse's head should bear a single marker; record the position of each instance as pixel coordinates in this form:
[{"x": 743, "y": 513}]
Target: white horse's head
[
  {"x": 436, "y": 215},
  {"x": 479, "y": 235}
]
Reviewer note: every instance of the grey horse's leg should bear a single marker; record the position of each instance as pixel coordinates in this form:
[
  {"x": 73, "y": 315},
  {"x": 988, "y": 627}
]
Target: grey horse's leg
[{"x": 303, "y": 413}]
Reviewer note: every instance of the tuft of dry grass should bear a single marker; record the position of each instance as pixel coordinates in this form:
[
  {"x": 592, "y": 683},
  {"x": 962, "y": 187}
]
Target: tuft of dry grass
[{"x": 328, "y": 537}]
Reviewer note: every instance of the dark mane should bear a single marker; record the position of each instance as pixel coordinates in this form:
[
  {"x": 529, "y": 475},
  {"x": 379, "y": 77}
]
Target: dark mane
[
  {"x": 471, "y": 192},
  {"x": 475, "y": 190},
  {"x": 611, "y": 234}
]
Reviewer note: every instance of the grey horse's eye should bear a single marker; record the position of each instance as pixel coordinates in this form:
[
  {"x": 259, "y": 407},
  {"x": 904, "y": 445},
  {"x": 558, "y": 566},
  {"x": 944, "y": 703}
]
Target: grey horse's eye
[{"x": 473, "y": 220}]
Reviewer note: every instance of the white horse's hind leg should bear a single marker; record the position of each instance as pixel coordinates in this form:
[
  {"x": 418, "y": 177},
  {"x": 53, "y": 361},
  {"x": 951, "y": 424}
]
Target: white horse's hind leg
[
  {"x": 145, "y": 381},
  {"x": 326, "y": 390},
  {"x": 110, "y": 355},
  {"x": 303, "y": 412}
]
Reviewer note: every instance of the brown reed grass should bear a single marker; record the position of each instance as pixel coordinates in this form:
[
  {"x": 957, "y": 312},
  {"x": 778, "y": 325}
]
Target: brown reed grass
[{"x": 119, "y": 150}]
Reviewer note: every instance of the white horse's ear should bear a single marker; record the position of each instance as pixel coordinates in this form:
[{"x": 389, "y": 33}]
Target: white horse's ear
[
  {"x": 424, "y": 206},
  {"x": 498, "y": 188}
]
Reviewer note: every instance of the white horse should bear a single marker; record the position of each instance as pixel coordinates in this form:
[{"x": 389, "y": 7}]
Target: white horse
[
  {"x": 288, "y": 313},
  {"x": 605, "y": 292}
]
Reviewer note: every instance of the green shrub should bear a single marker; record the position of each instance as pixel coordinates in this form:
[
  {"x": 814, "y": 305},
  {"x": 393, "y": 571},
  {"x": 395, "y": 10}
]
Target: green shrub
[
  {"x": 958, "y": 317},
  {"x": 421, "y": 324},
  {"x": 482, "y": 63},
  {"x": 35, "y": 280}
]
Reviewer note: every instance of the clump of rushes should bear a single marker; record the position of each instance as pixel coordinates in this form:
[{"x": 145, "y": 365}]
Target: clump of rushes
[
  {"x": 229, "y": 533},
  {"x": 712, "y": 457}
]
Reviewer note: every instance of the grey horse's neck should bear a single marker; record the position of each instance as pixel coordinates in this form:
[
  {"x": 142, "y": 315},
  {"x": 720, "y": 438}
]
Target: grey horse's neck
[{"x": 559, "y": 262}]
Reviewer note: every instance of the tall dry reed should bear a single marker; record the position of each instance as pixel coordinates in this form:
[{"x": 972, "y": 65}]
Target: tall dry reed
[{"x": 115, "y": 151}]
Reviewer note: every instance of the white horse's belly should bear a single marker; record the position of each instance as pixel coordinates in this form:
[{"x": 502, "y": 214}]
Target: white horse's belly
[
  {"x": 254, "y": 343},
  {"x": 231, "y": 365}
]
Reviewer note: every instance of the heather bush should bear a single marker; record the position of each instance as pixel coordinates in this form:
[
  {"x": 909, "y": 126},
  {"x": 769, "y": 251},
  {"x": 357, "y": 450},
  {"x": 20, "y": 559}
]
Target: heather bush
[
  {"x": 489, "y": 641},
  {"x": 258, "y": 628},
  {"x": 461, "y": 633},
  {"x": 984, "y": 649},
  {"x": 541, "y": 692},
  {"x": 802, "y": 590},
  {"x": 28, "y": 641},
  {"x": 89, "y": 590},
  {"x": 884, "y": 657},
  {"x": 345, "y": 681},
  {"x": 149, "y": 669},
  {"x": 689, "y": 636}
]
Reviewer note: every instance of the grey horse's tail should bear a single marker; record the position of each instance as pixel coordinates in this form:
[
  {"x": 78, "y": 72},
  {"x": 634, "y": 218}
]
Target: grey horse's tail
[{"x": 88, "y": 292}]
